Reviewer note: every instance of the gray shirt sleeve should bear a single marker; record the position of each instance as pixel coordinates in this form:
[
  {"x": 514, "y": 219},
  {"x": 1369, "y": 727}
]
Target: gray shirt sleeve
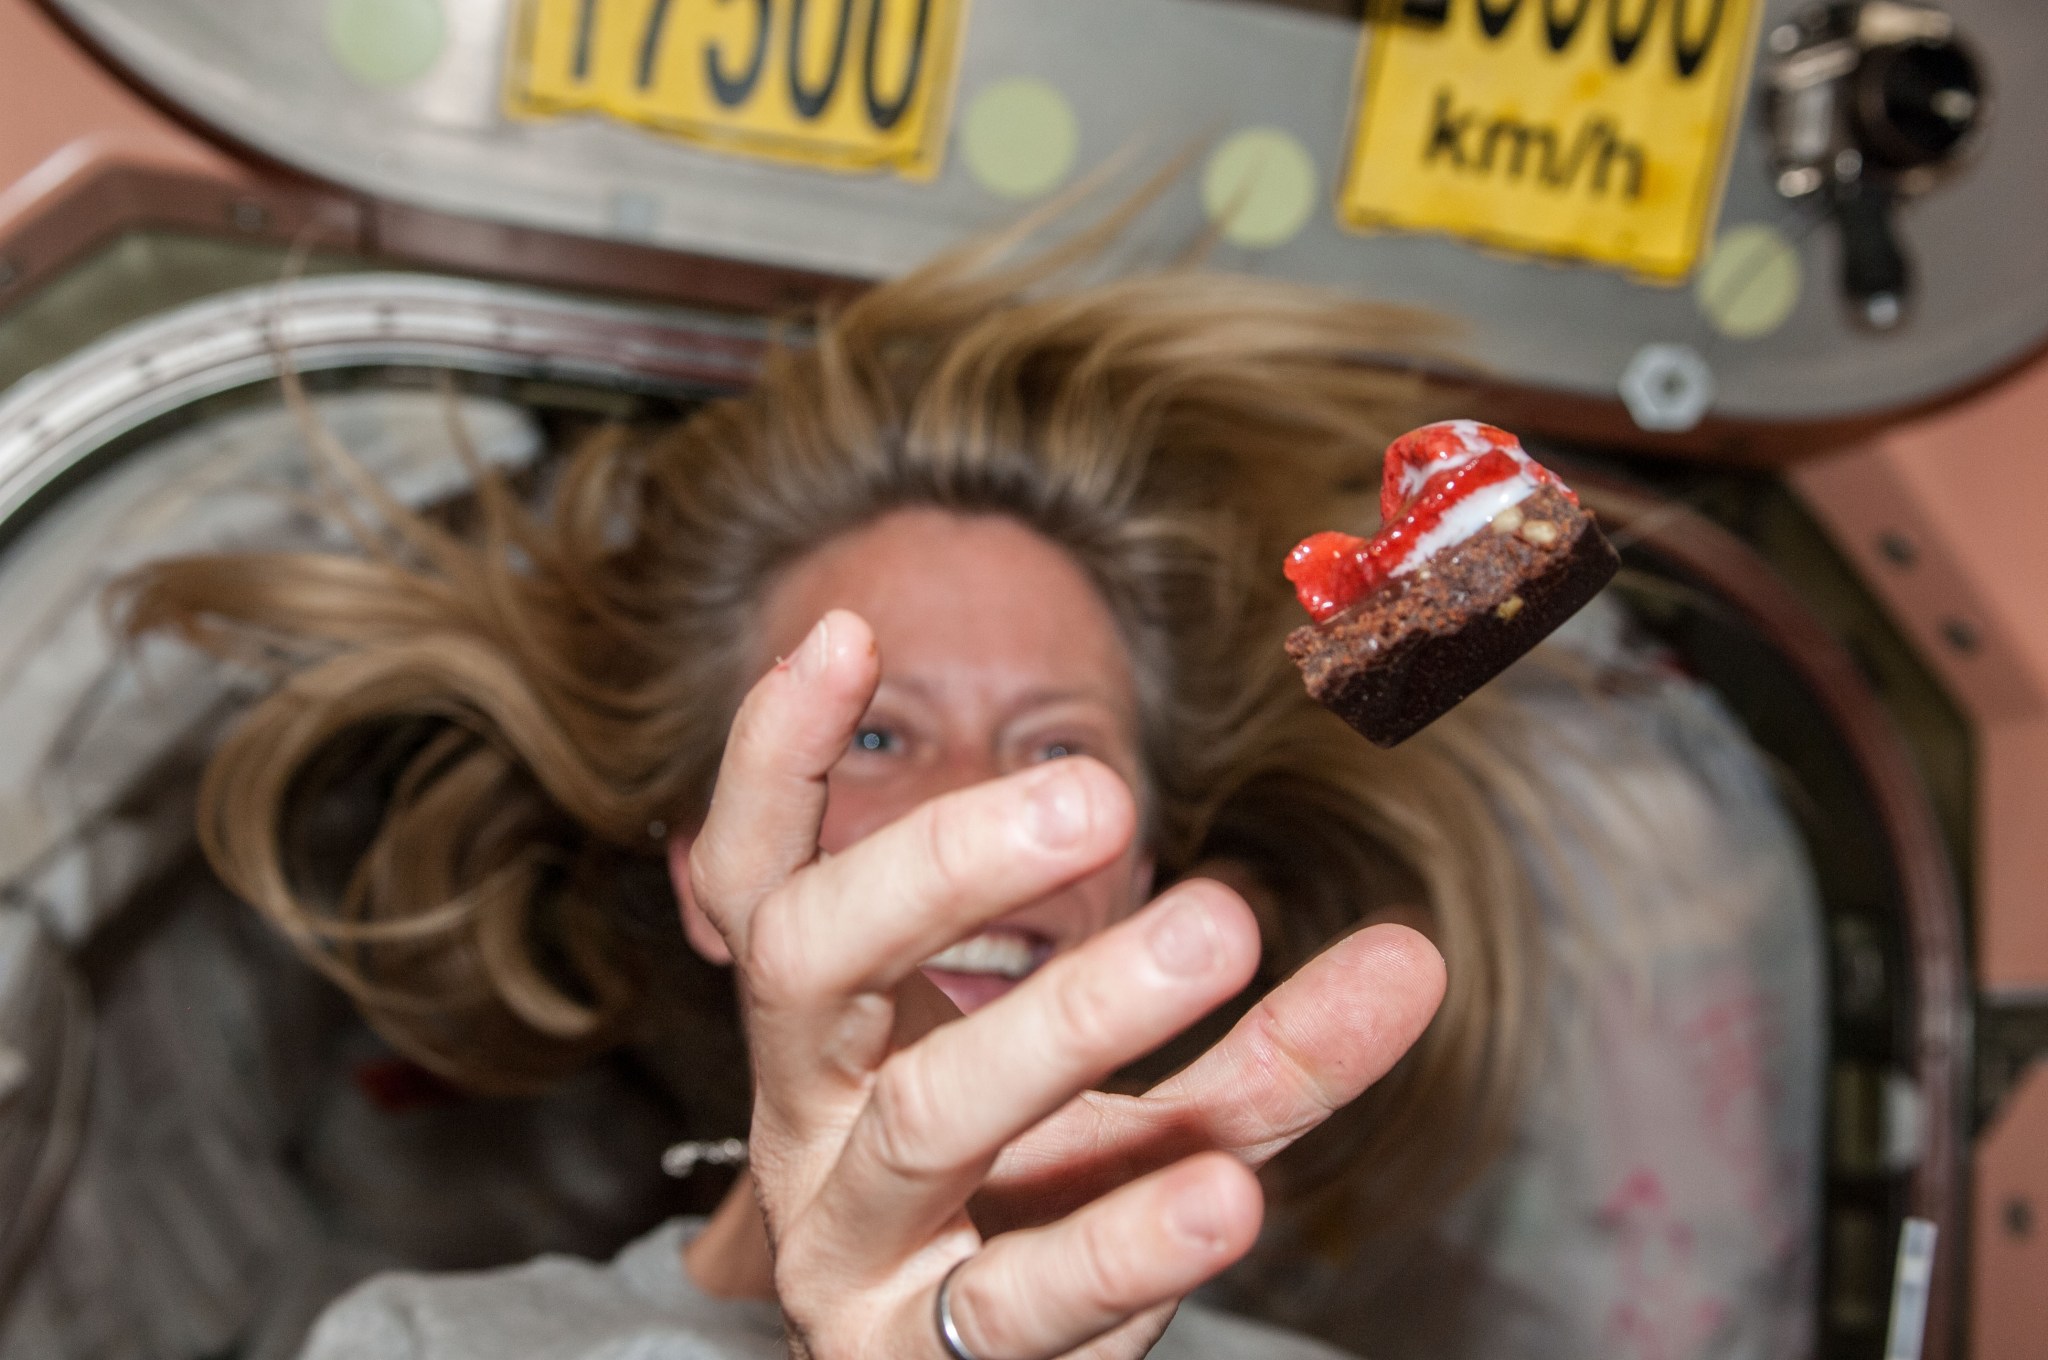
[
  {"x": 1199, "y": 1333},
  {"x": 643, "y": 1306},
  {"x": 367, "y": 1323}
]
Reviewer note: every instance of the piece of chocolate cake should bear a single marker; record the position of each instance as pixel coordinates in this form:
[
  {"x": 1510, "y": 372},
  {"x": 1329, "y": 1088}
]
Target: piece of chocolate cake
[{"x": 1481, "y": 554}]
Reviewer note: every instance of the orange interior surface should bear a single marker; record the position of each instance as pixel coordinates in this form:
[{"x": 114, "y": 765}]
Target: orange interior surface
[{"x": 1943, "y": 516}]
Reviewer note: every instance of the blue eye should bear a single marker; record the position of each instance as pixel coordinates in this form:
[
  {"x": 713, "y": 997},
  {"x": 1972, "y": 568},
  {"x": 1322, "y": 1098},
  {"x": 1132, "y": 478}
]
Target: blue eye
[
  {"x": 1055, "y": 751},
  {"x": 874, "y": 739}
]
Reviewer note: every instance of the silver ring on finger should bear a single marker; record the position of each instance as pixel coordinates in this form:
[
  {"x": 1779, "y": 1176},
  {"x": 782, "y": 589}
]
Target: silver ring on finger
[{"x": 949, "y": 1330}]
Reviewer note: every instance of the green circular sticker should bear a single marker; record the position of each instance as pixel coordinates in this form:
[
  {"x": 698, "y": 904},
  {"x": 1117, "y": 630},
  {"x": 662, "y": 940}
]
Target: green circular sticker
[
  {"x": 386, "y": 43},
  {"x": 1019, "y": 137},
  {"x": 1259, "y": 187},
  {"x": 1750, "y": 282}
]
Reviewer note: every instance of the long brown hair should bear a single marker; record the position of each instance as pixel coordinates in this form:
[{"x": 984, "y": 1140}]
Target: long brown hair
[{"x": 525, "y": 702}]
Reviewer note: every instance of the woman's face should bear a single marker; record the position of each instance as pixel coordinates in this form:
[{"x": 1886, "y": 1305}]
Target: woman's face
[{"x": 997, "y": 652}]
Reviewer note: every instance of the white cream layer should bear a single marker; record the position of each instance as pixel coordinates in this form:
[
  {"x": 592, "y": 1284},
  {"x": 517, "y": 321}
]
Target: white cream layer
[
  {"x": 1477, "y": 510},
  {"x": 1466, "y": 518}
]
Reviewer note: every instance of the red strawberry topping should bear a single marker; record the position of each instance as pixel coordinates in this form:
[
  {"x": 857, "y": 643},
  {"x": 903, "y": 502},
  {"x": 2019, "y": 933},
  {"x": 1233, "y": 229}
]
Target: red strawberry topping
[{"x": 1429, "y": 472}]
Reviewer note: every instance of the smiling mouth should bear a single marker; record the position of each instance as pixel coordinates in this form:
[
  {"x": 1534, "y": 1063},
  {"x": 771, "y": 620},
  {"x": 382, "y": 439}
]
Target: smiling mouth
[{"x": 1001, "y": 953}]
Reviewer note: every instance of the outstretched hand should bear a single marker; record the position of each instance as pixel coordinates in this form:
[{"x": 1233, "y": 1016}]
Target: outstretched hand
[{"x": 873, "y": 1132}]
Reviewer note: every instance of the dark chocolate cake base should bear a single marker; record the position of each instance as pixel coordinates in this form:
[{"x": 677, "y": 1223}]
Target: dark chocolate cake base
[{"x": 1414, "y": 649}]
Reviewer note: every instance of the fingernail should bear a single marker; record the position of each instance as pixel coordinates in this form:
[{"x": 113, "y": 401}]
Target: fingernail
[
  {"x": 809, "y": 662},
  {"x": 1184, "y": 940},
  {"x": 1058, "y": 814},
  {"x": 1197, "y": 1214}
]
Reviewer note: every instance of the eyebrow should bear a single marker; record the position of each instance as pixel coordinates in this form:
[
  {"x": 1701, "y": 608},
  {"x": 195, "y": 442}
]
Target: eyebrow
[{"x": 1043, "y": 697}]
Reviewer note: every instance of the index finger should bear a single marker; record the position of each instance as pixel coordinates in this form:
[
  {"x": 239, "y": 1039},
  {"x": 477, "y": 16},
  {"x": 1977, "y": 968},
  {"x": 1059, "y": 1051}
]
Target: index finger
[{"x": 770, "y": 797}]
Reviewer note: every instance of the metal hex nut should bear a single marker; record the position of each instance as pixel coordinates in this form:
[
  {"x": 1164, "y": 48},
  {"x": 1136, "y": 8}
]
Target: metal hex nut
[{"x": 1667, "y": 388}]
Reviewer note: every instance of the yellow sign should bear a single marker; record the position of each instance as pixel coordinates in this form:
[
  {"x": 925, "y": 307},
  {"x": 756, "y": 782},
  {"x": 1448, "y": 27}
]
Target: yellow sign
[
  {"x": 1591, "y": 129},
  {"x": 835, "y": 84}
]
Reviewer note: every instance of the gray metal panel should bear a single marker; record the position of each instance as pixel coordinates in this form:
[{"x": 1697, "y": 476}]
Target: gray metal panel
[{"x": 1160, "y": 71}]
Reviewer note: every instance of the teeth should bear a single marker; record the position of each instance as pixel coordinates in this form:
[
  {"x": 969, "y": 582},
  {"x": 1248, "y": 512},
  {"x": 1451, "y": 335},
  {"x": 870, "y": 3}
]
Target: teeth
[{"x": 1011, "y": 956}]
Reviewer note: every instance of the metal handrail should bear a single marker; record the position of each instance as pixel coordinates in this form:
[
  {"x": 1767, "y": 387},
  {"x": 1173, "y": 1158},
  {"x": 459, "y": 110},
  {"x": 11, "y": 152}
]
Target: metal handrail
[{"x": 57, "y": 416}]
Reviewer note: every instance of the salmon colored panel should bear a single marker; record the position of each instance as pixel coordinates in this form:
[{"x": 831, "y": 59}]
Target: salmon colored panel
[
  {"x": 2012, "y": 930},
  {"x": 83, "y": 158},
  {"x": 1947, "y": 519},
  {"x": 2009, "y": 1234},
  {"x": 56, "y": 99},
  {"x": 1981, "y": 471},
  {"x": 1907, "y": 552}
]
